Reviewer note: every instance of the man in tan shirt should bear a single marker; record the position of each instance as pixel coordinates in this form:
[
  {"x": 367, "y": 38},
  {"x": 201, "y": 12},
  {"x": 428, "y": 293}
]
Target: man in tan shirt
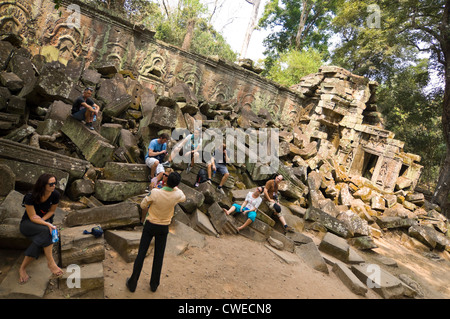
[
  {"x": 271, "y": 197},
  {"x": 162, "y": 203}
]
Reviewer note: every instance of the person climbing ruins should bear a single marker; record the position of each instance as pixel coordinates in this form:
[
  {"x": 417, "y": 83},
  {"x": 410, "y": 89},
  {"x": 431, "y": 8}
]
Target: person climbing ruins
[
  {"x": 157, "y": 150},
  {"x": 85, "y": 109},
  {"x": 248, "y": 207},
  {"x": 272, "y": 199},
  {"x": 191, "y": 145},
  {"x": 218, "y": 163}
]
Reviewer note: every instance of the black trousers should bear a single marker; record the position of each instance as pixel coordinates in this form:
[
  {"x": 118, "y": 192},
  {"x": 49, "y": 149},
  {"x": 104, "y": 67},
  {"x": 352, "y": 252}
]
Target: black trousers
[
  {"x": 160, "y": 233},
  {"x": 40, "y": 237}
]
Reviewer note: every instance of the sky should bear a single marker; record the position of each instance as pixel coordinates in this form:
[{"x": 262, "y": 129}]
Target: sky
[{"x": 232, "y": 20}]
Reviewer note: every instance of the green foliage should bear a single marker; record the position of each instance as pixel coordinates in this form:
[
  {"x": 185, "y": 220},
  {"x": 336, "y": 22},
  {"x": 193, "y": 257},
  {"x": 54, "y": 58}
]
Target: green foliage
[
  {"x": 293, "y": 65},
  {"x": 415, "y": 116},
  {"x": 283, "y": 17}
]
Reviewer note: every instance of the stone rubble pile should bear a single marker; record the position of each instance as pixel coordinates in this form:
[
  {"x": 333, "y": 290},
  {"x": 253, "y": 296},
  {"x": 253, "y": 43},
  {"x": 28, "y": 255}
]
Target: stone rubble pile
[{"x": 337, "y": 166}]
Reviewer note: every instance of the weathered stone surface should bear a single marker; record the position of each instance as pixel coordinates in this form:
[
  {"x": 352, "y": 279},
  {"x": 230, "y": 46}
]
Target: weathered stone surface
[
  {"x": 201, "y": 223},
  {"x": 35, "y": 289},
  {"x": 114, "y": 191},
  {"x": 78, "y": 248},
  {"x": 332, "y": 224},
  {"x": 92, "y": 282},
  {"x": 28, "y": 173},
  {"x": 126, "y": 243},
  {"x": 378, "y": 279},
  {"x": 222, "y": 223},
  {"x": 335, "y": 246},
  {"x": 107, "y": 216},
  {"x": 311, "y": 256},
  {"x": 124, "y": 172},
  {"x": 79, "y": 188},
  {"x": 430, "y": 237},
  {"x": 23, "y": 153},
  {"x": 395, "y": 222},
  {"x": 94, "y": 147},
  {"x": 194, "y": 199},
  {"x": 11, "y": 81},
  {"x": 349, "y": 279},
  {"x": 287, "y": 257},
  {"x": 7, "y": 181}
]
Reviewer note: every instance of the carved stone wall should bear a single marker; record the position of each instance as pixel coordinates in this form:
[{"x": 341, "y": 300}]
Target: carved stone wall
[{"x": 102, "y": 37}]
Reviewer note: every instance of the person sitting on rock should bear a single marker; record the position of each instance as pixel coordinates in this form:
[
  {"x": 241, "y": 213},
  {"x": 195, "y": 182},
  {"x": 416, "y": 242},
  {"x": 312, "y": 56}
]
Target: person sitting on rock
[
  {"x": 272, "y": 199},
  {"x": 37, "y": 224},
  {"x": 218, "y": 163},
  {"x": 192, "y": 143},
  {"x": 157, "y": 150},
  {"x": 248, "y": 207},
  {"x": 84, "y": 108}
]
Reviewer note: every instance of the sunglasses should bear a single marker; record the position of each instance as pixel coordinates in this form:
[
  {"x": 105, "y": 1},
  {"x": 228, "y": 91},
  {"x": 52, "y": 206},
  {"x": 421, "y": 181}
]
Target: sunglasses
[{"x": 52, "y": 184}]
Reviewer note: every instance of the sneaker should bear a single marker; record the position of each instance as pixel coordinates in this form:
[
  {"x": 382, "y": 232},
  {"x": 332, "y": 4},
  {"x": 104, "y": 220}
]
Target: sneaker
[
  {"x": 209, "y": 182},
  {"x": 220, "y": 190},
  {"x": 289, "y": 229},
  {"x": 166, "y": 164},
  {"x": 196, "y": 184},
  {"x": 89, "y": 125},
  {"x": 188, "y": 169}
]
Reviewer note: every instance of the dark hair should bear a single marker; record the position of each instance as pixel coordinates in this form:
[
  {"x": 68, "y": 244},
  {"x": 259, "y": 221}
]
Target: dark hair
[
  {"x": 164, "y": 136},
  {"x": 39, "y": 187},
  {"x": 173, "y": 180},
  {"x": 89, "y": 89}
]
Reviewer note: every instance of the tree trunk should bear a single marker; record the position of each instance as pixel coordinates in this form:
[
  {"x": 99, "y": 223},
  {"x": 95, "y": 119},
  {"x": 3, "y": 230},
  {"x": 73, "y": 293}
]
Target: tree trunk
[
  {"x": 301, "y": 26},
  {"x": 442, "y": 191},
  {"x": 189, "y": 35},
  {"x": 250, "y": 28}
]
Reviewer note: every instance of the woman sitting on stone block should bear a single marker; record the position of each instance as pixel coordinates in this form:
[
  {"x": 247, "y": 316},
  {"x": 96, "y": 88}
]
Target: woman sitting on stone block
[
  {"x": 36, "y": 224},
  {"x": 248, "y": 207}
]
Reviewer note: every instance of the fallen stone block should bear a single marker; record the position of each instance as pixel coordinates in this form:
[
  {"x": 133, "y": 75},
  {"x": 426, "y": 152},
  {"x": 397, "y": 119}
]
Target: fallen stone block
[
  {"x": 312, "y": 257},
  {"x": 94, "y": 147},
  {"x": 126, "y": 243},
  {"x": 8, "y": 180},
  {"x": 186, "y": 233},
  {"x": 80, "y": 188},
  {"x": 113, "y": 191},
  {"x": 124, "y": 172},
  {"x": 430, "y": 237},
  {"x": 257, "y": 231},
  {"x": 288, "y": 243},
  {"x": 78, "y": 248},
  {"x": 335, "y": 246},
  {"x": 85, "y": 281},
  {"x": 378, "y": 279},
  {"x": 27, "y": 174},
  {"x": 349, "y": 279},
  {"x": 194, "y": 199},
  {"x": 36, "y": 286},
  {"x": 107, "y": 216},
  {"x": 221, "y": 222},
  {"x": 332, "y": 224},
  {"x": 201, "y": 223},
  {"x": 24, "y": 153},
  {"x": 395, "y": 222},
  {"x": 288, "y": 258}
]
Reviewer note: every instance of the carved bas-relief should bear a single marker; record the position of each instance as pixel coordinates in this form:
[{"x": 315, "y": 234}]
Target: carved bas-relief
[{"x": 15, "y": 18}]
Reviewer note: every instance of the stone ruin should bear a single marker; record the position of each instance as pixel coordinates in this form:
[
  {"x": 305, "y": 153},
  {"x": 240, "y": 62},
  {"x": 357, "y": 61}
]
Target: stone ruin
[{"x": 345, "y": 176}]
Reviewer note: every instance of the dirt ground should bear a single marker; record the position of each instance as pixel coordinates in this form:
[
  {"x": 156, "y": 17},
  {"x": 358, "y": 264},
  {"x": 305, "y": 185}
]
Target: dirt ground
[{"x": 234, "y": 267}]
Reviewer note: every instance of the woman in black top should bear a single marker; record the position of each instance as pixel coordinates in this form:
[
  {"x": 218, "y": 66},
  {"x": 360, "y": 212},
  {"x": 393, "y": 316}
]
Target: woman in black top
[{"x": 36, "y": 224}]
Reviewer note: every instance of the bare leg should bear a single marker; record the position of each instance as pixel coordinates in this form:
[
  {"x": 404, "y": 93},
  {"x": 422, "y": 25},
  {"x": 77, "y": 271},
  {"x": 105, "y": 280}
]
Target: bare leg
[
  {"x": 224, "y": 179},
  {"x": 153, "y": 169},
  {"x": 51, "y": 262},
  {"x": 228, "y": 212},
  {"x": 247, "y": 222},
  {"x": 23, "y": 276}
]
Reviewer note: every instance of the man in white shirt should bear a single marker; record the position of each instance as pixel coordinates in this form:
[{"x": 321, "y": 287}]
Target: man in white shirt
[{"x": 248, "y": 207}]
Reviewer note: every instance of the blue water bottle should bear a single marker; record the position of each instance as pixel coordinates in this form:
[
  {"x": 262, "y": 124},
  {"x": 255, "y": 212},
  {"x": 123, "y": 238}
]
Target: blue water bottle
[{"x": 55, "y": 237}]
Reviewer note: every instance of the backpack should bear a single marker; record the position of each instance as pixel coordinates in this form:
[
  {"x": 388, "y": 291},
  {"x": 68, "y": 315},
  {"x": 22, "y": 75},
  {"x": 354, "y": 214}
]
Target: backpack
[{"x": 202, "y": 176}]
